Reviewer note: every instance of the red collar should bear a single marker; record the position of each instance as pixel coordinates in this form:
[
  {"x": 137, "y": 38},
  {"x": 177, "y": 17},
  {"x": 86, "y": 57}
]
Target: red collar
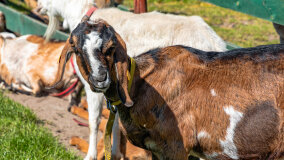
[
  {"x": 91, "y": 11},
  {"x": 71, "y": 88}
]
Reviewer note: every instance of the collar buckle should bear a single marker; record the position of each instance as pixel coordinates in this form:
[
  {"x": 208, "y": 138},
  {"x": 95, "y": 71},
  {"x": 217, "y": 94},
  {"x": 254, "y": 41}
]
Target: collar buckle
[{"x": 111, "y": 107}]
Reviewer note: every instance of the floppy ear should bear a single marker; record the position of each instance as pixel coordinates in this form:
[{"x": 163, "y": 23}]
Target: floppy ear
[
  {"x": 121, "y": 66},
  {"x": 64, "y": 57}
]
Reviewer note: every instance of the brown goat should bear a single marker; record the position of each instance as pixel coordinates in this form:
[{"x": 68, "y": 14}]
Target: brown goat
[
  {"x": 129, "y": 151},
  {"x": 217, "y": 105}
]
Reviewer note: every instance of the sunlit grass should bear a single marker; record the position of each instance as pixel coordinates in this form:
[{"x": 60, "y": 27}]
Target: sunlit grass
[
  {"x": 23, "y": 137},
  {"x": 19, "y": 6}
]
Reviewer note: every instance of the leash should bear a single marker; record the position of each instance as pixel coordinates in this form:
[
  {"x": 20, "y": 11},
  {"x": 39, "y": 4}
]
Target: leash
[
  {"x": 71, "y": 88},
  {"x": 113, "y": 110},
  {"x": 80, "y": 123}
]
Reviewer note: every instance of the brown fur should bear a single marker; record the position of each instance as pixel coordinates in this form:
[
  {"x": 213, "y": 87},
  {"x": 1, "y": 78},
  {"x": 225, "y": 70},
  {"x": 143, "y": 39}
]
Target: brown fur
[
  {"x": 4, "y": 71},
  {"x": 173, "y": 101},
  {"x": 5, "y": 74},
  {"x": 47, "y": 54},
  {"x": 130, "y": 151}
]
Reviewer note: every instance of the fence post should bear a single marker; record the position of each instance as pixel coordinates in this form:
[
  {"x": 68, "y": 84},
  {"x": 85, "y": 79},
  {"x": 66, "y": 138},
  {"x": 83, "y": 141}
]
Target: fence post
[{"x": 140, "y": 6}]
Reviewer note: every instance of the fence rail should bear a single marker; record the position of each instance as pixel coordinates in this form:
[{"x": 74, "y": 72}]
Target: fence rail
[{"x": 271, "y": 10}]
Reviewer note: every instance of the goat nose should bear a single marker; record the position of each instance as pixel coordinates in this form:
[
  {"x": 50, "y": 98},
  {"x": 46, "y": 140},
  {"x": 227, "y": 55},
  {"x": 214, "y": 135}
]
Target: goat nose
[
  {"x": 102, "y": 77},
  {"x": 98, "y": 78},
  {"x": 102, "y": 71}
]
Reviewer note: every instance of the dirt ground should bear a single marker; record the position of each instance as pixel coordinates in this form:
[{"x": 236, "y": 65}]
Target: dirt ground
[{"x": 53, "y": 111}]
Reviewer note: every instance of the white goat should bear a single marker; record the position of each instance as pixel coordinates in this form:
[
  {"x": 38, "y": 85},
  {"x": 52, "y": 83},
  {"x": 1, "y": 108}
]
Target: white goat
[{"x": 141, "y": 33}]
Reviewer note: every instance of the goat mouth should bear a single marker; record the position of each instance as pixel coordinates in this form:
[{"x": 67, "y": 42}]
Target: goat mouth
[
  {"x": 100, "y": 86},
  {"x": 98, "y": 89}
]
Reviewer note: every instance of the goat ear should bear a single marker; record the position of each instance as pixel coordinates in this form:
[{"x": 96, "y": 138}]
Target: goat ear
[
  {"x": 121, "y": 66},
  {"x": 64, "y": 57}
]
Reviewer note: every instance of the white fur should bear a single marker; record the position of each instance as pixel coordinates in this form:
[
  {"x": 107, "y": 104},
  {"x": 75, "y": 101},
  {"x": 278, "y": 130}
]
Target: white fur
[
  {"x": 212, "y": 155},
  {"x": 229, "y": 148},
  {"x": 141, "y": 33},
  {"x": 17, "y": 63},
  {"x": 203, "y": 134},
  {"x": 73, "y": 9},
  {"x": 213, "y": 93},
  {"x": 7, "y": 35},
  {"x": 93, "y": 42}
]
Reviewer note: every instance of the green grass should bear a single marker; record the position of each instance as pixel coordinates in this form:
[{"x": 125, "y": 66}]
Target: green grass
[
  {"x": 23, "y": 137},
  {"x": 19, "y": 6},
  {"x": 232, "y": 26}
]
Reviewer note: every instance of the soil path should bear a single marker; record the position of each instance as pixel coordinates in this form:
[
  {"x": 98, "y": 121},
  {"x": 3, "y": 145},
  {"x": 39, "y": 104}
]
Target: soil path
[{"x": 53, "y": 112}]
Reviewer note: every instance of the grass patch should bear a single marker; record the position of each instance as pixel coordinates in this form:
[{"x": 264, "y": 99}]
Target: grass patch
[
  {"x": 22, "y": 135},
  {"x": 232, "y": 26},
  {"x": 19, "y": 6}
]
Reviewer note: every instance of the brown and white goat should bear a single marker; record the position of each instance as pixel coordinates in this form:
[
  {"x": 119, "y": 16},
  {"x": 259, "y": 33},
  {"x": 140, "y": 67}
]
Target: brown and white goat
[
  {"x": 141, "y": 33},
  {"x": 218, "y": 105},
  {"x": 28, "y": 64}
]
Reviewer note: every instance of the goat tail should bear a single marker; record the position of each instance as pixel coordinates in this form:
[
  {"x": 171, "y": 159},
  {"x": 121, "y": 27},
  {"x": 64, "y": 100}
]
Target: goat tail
[{"x": 52, "y": 26}]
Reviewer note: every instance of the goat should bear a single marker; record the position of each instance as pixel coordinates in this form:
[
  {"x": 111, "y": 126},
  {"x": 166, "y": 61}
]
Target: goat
[
  {"x": 141, "y": 32},
  {"x": 154, "y": 29},
  {"x": 72, "y": 12},
  {"x": 26, "y": 57},
  {"x": 217, "y": 105},
  {"x": 28, "y": 64},
  {"x": 129, "y": 151}
]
